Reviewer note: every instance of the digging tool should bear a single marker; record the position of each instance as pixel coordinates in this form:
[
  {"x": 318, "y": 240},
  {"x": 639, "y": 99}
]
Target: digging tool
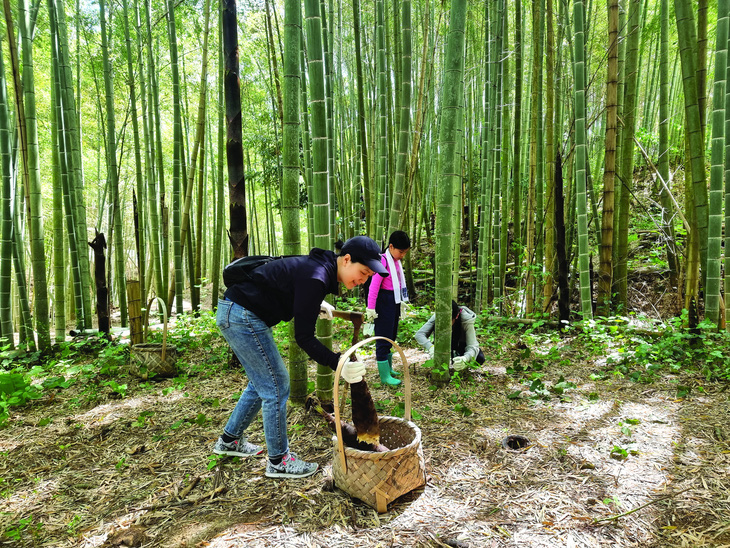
[{"x": 355, "y": 317}]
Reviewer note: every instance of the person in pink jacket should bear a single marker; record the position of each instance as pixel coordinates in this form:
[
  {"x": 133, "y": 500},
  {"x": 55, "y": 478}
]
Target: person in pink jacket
[{"x": 385, "y": 296}]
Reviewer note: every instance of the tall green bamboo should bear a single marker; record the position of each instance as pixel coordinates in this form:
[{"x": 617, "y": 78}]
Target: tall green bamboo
[
  {"x": 664, "y": 149},
  {"x": 449, "y": 174},
  {"x": 72, "y": 136},
  {"x": 59, "y": 278},
  {"x": 506, "y": 83},
  {"x": 404, "y": 124},
  {"x": 290, "y": 182},
  {"x": 517, "y": 147},
  {"x": 307, "y": 141},
  {"x": 627, "y": 151},
  {"x": 481, "y": 300},
  {"x": 382, "y": 193},
  {"x": 531, "y": 226},
  {"x": 727, "y": 195},
  {"x": 320, "y": 194},
  {"x": 33, "y": 184},
  {"x": 693, "y": 131},
  {"x": 219, "y": 224},
  {"x": 197, "y": 149},
  {"x": 605, "y": 270},
  {"x": 6, "y": 219},
  {"x": 177, "y": 159},
  {"x": 64, "y": 162},
  {"x": 550, "y": 261},
  {"x": 717, "y": 168},
  {"x": 139, "y": 177},
  {"x": 497, "y": 198},
  {"x": 362, "y": 140},
  {"x": 115, "y": 221},
  {"x": 581, "y": 161},
  {"x": 156, "y": 185}
]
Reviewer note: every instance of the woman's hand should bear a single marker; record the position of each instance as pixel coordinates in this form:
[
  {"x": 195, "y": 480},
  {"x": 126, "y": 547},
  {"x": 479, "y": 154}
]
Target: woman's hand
[
  {"x": 325, "y": 311},
  {"x": 352, "y": 372}
]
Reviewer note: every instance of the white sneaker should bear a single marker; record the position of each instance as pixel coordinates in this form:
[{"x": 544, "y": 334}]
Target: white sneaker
[
  {"x": 237, "y": 448},
  {"x": 291, "y": 466}
]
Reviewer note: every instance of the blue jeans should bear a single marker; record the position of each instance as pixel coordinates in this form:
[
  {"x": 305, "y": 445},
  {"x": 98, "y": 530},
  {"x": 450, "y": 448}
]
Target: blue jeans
[{"x": 268, "y": 379}]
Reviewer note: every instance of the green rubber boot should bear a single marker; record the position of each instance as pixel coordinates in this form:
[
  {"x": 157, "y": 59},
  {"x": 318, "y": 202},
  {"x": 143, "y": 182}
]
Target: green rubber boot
[
  {"x": 390, "y": 364},
  {"x": 384, "y": 370}
]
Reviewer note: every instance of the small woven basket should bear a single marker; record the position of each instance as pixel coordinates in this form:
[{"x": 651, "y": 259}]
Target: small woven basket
[
  {"x": 153, "y": 359},
  {"x": 379, "y": 478}
]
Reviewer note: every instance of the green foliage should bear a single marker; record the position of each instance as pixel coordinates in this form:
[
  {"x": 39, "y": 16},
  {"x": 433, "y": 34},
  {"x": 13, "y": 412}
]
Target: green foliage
[
  {"x": 214, "y": 460},
  {"x": 142, "y": 419},
  {"x": 120, "y": 389},
  {"x": 676, "y": 349},
  {"x": 17, "y": 530}
]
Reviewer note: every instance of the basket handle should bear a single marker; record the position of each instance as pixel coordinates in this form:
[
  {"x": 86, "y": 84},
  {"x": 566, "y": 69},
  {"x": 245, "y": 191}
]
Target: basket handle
[
  {"x": 345, "y": 358},
  {"x": 161, "y": 305}
]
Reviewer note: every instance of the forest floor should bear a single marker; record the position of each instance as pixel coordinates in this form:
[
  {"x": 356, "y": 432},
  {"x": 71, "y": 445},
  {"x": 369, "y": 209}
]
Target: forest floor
[{"x": 610, "y": 461}]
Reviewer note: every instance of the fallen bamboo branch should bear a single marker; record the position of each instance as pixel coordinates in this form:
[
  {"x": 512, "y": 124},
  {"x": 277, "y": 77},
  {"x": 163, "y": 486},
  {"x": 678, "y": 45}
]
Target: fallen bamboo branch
[{"x": 613, "y": 518}]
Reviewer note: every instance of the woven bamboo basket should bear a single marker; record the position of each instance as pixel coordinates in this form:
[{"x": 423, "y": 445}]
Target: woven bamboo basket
[
  {"x": 379, "y": 478},
  {"x": 154, "y": 359}
]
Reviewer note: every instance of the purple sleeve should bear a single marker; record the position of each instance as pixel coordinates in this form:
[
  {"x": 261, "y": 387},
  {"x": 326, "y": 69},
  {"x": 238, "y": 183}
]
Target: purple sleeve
[{"x": 307, "y": 298}]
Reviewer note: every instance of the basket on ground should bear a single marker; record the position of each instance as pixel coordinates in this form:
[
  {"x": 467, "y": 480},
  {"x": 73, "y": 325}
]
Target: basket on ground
[
  {"x": 148, "y": 360},
  {"x": 379, "y": 478}
]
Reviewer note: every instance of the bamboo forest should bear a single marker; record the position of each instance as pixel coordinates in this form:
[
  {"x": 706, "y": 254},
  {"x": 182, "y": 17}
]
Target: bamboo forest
[{"x": 562, "y": 171}]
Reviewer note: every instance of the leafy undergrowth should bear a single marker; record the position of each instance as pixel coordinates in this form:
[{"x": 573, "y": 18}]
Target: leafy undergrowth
[{"x": 620, "y": 415}]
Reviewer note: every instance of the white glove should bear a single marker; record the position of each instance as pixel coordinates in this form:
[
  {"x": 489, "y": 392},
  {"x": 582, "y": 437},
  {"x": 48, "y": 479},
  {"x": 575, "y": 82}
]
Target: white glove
[
  {"x": 459, "y": 362},
  {"x": 325, "y": 311},
  {"x": 430, "y": 351},
  {"x": 352, "y": 372},
  {"x": 370, "y": 315}
]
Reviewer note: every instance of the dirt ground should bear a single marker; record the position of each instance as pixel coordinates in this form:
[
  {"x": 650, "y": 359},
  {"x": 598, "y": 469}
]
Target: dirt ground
[{"x": 106, "y": 471}]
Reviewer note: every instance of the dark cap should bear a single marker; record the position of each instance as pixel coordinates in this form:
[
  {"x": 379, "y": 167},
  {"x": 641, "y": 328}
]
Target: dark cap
[{"x": 364, "y": 250}]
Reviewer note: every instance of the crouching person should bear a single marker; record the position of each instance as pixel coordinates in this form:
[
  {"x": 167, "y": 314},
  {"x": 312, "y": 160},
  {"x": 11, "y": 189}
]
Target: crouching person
[{"x": 464, "y": 345}]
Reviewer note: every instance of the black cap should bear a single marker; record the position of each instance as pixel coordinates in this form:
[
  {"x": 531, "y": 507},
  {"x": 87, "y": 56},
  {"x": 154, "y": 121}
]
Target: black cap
[{"x": 364, "y": 250}]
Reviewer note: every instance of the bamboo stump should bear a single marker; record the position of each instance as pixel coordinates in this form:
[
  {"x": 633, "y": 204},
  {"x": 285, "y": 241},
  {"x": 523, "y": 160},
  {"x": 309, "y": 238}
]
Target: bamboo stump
[{"x": 98, "y": 244}]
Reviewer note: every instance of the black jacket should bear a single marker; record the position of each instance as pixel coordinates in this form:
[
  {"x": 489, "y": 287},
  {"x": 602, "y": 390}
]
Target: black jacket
[{"x": 292, "y": 287}]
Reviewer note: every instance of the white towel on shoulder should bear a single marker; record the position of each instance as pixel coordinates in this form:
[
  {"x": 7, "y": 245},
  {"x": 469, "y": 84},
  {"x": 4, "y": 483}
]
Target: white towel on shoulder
[{"x": 397, "y": 277}]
